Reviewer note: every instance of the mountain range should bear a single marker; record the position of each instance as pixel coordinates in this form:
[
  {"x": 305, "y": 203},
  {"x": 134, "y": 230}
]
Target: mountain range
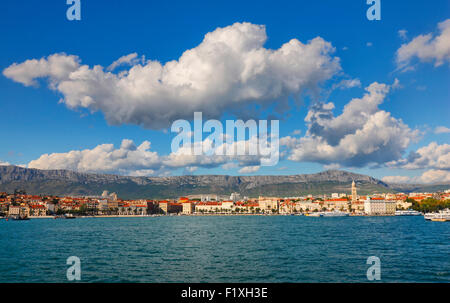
[{"x": 65, "y": 182}]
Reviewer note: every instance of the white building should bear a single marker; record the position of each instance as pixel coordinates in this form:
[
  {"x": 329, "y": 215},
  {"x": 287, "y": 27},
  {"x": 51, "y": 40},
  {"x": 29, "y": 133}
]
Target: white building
[
  {"x": 235, "y": 197},
  {"x": 188, "y": 207},
  {"x": 267, "y": 204},
  {"x": 337, "y": 195},
  {"x": 373, "y": 207}
]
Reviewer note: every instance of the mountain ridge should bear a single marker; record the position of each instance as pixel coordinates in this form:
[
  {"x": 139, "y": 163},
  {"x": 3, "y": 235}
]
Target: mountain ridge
[{"x": 67, "y": 182}]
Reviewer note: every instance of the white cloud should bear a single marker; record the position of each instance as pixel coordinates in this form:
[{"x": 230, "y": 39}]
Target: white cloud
[
  {"x": 214, "y": 156},
  {"x": 128, "y": 159},
  {"x": 289, "y": 141},
  {"x": 249, "y": 169},
  {"x": 435, "y": 176},
  {"x": 297, "y": 132},
  {"x": 421, "y": 88},
  {"x": 396, "y": 84},
  {"x": 348, "y": 83},
  {"x": 433, "y": 156},
  {"x": 403, "y": 34},
  {"x": 361, "y": 135},
  {"x": 133, "y": 160},
  {"x": 428, "y": 177},
  {"x": 369, "y": 44},
  {"x": 131, "y": 59},
  {"x": 426, "y": 48},
  {"x": 4, "y": 163},
  {"x": 396, "y": 179},
  {"x": 190, "y": 169},
  {"x": 441, "y": 130},
  {"x": 332, "y": 166},
  {"x": 229, "y": 71},
  {"x": 231, "y": 165},
  {"x": 58, "y": 67}
]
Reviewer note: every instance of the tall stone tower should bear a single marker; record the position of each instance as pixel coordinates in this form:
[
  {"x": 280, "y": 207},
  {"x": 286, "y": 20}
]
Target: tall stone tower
[{"x": 354, "y": 194}]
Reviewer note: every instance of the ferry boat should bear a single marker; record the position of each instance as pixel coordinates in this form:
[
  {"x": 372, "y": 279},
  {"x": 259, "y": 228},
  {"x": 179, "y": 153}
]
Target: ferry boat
[
  {"x": 441, "y": 216},
  {"x": 329, "y": 214},
  {"x": 407, "y": 213},
  {"x": 334, "y": 214},
  {"x": 316, "y": 214}
]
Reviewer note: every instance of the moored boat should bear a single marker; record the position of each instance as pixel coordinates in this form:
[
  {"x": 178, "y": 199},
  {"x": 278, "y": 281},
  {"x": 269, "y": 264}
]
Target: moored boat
[
  {"x": 334, "y": 214},
  {"x": 441, "y": 216},
  {"x": 407, "y": 213},
  {"x": 19, "y": 218}
]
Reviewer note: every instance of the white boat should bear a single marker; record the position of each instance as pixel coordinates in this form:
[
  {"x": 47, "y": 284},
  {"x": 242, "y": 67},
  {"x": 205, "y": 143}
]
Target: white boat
[
  {"x": 329, "y": 214},
  {"x": 441, "y": 216},
  {"x": 335, "y": 214},
  {"x": 407, "y": 213},
  {"x": 314, "y": 214}
]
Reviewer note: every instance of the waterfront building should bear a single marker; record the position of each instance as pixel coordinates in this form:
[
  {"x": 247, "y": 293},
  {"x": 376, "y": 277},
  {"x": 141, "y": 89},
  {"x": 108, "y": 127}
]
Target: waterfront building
[
  {"x": 235, "y": 197},
  {"x": 379, "y": 206},
  {"x": 287, "y": 207},
  {"x": 132, "y": 210},
  {"x": 52, "y": 207},
  {"x": 227, "y": 205},
  {"x": 38, "y": 210},
  {"x": 112, "y": 204},
  {"x": 188, "y": 207},
  {"x": 140, "y": 209},
  {"x": 103, "y": 206},
  {"x": 357, "y": 206},
  {"x": 207, "y": 207},
  {"x": 164, "y": 206},
  {"x": 336, "y": 204},
  {"x": 269, "y": 204},
  {"x": 19, "y": 210},
  {"x": 170, "y": 207},
  {"x": 124, "y": 209},
  {"x": 307, "y": 205}
]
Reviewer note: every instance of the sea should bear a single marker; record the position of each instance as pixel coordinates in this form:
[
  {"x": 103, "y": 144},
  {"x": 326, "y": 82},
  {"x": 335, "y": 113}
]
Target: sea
[{"x": 226, "y": 249}]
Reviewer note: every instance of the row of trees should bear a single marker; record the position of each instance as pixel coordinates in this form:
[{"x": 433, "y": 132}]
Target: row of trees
[{"x": 429, "y": 205}]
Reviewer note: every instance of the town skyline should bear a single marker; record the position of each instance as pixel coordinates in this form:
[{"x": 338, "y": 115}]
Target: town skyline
[{"x": 108, "y": 204}]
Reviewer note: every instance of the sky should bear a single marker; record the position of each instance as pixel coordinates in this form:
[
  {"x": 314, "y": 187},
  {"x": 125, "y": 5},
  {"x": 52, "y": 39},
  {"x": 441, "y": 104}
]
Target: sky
[{"x": 100, "y": 94}]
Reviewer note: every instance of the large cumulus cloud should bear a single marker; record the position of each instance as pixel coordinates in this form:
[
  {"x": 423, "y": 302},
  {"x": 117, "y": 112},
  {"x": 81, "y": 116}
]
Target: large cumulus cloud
[
  {"x": 133, "y": 160},
  {"x": 104, "y": 158},
  {"x": 363, "y": 134},
  {"x": 228, "y": 71},
  {"x": 432, "y": 155}
]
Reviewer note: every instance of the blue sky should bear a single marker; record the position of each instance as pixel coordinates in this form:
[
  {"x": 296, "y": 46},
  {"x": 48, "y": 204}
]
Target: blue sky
[{"x": 34, "y": 122}]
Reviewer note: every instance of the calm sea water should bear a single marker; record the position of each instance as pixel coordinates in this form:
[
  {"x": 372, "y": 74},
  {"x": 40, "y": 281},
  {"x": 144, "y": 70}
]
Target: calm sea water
[{"x": 225, "y": 249}]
